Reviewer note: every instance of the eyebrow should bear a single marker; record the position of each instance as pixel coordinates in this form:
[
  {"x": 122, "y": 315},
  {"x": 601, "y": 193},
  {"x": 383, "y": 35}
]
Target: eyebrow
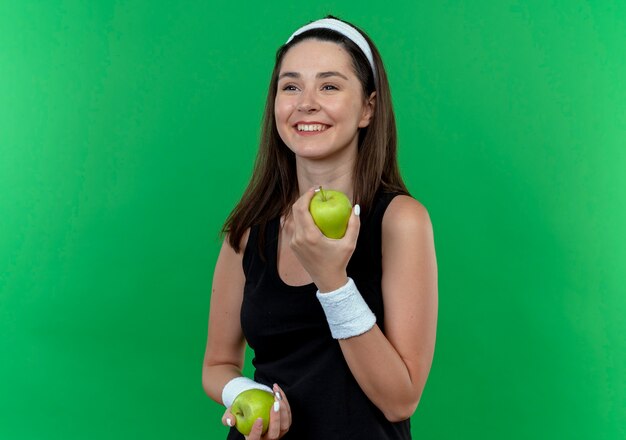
[{"x": 319, "y": 75}]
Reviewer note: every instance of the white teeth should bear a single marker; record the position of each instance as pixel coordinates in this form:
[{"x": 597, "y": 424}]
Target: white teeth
[{"x": 311, "y": 127}]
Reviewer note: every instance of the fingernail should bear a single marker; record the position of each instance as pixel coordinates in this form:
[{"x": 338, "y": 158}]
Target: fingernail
[
  {"x": 357, "y": 210},
  {"x": 276, "y": 406},
  {"x": 317, "y": 189},
  {"x": 277, "y": 392},
  {"x": 229, "y": 422}
]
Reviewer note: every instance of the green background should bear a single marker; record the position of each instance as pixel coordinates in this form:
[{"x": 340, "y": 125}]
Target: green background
[{"x": 128, "y": 130}]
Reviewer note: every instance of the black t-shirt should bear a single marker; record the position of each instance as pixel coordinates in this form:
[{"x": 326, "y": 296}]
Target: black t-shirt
[{"x": 287, "y": 329}]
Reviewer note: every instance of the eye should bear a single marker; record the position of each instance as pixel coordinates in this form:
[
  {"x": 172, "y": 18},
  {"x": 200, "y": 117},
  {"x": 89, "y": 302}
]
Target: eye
[
  {"x": 289, "y": 88},
  {"x": 328, "y": 87}
]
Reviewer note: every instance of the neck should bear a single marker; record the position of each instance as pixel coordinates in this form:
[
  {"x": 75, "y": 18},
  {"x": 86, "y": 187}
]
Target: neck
[{"x": 336, "y": 176}]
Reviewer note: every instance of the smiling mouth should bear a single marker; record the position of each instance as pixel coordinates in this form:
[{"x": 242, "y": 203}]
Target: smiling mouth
[{"x": 311, "y": 127}]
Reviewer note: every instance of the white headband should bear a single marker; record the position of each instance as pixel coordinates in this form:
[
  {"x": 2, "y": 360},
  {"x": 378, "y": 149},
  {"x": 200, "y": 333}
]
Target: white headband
[{"x": 344, "y": 29}]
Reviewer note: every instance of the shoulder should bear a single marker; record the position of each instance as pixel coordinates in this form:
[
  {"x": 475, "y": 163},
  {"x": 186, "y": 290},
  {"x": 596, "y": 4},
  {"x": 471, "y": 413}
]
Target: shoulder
[
  {"x": 405, "y": 214},
  {"x": 232, "y": 253},
  {"x": 406, "y": 230}
]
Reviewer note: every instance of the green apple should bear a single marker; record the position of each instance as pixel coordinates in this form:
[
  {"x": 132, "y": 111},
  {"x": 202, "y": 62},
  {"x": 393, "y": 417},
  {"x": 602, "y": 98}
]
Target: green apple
[
  {"x": 331, "y": 211},
  {"x": 249, "y": 406}
]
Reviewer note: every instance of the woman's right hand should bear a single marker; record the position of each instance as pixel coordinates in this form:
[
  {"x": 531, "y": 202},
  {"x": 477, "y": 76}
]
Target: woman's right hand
[
  {"x": 325, "y": 259},
  {"x": 280, "y": 420}
]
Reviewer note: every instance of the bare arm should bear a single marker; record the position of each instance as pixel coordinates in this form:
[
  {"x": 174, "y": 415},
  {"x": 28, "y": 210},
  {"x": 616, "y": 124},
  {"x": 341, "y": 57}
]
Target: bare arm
[
  {"x": 390, "y": 367},
  {"x": 225, "y": 348}
]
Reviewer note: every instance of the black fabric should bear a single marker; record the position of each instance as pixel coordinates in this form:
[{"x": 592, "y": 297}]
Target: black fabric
[{"x": 286, "y": 327}]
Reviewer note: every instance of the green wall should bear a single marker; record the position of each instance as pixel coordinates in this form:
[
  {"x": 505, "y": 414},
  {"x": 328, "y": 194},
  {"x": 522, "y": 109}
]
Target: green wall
[{"x": 128, "y": 130}]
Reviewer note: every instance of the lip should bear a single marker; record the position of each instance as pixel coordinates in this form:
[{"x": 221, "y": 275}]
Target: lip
[
  {"x": 310, "y": 123},
  {"x": 310, "y": 133}
]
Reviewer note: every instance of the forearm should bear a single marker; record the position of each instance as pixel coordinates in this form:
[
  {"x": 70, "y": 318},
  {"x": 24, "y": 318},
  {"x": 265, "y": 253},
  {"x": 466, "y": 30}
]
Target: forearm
[
  {"x": 382, "y": 374},
  {"x": 216, "y": 376}
]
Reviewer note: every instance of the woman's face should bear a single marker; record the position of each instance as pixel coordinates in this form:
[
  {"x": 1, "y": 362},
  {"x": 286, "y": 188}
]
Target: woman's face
[{"x": 319, "y": 104}]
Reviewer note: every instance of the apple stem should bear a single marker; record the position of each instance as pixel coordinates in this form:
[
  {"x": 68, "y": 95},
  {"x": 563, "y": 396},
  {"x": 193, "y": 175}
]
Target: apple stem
[{"x": 323, "y": 195}]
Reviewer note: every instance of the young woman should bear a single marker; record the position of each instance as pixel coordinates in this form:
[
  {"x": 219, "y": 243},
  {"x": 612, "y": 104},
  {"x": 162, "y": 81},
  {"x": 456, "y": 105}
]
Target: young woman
[{"x": 343, "y": 331}]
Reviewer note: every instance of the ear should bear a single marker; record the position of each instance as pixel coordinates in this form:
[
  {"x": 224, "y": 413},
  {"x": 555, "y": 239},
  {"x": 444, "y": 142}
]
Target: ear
[{"x": 368, "y": 111}]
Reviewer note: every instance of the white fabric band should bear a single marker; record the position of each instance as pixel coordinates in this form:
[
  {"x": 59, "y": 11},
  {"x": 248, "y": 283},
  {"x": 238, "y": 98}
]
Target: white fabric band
[
  {"x": 237, "y": 386},
  {"x": 344, "y": 29},
  {"x": 346, "y": 311}
]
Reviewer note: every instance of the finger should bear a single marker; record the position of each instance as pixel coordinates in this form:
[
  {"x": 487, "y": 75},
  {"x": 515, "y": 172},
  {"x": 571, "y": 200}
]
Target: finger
[
  {"x": 285, "y": 409},
  {"x": 300, "y": 209},
  {"x": 228, "y": 419},
  {"x": 354, "y": 225},
  {"x": 304, "y": 228},
  {"x": 256, "y": 431},
  {"x": 273, "y": 431},
  {"x": 285, "y": 417},
  {"x": 277, "y": 392}
]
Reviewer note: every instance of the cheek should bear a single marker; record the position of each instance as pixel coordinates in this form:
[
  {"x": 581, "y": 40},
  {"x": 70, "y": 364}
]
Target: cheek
[
  {"x": 346, "y": 109},
  {"x": 359, "y": 112},
  {"x": 281, "y": 116},
  {"x": 282, "y": 110}
]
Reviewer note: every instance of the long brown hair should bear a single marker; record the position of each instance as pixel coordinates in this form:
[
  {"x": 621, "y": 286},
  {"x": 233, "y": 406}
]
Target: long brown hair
[{"x": 273, "y": 187}]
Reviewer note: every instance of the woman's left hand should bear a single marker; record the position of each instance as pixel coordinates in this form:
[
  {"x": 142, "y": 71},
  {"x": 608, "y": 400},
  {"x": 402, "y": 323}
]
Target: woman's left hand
[
  {"x": 280, "y": 419},
  {"x": 325, "y": 259}
]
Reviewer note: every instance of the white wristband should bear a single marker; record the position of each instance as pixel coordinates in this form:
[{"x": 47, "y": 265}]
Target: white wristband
[
  {"x": 346, "y": 311},
  {"x": 238, "y": 385}
]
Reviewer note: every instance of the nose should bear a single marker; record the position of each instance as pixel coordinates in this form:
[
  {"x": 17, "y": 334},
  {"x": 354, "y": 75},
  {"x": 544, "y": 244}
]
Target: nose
[
  {"x": 306, "y": 108},
  {"x": 307, "y": 102}
]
